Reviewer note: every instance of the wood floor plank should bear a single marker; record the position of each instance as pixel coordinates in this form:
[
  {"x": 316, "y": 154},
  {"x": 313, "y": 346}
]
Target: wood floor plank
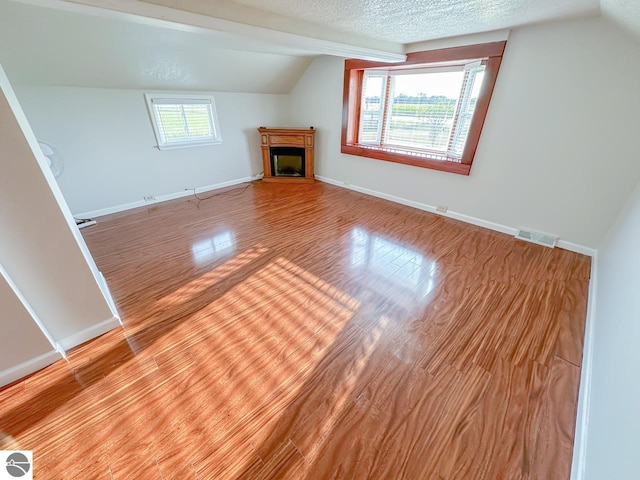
[
  {"x": 496, "y": 438},
  {"x": 177, "y": 465},
  {"x": 308, "y": 331},
  {"x": 552, "y": 453},
  {"x": 571, "y": 328},
  {"x": 133, "y": 466}
]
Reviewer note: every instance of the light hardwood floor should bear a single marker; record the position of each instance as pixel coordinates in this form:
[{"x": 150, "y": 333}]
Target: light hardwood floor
[{"x": 311, "y": 332}]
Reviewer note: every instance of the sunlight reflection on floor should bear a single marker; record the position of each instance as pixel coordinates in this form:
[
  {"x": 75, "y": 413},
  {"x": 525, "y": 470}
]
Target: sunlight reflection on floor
[
  {"x": 256, "y": 345},
  {"x": 409, "y": 270}
]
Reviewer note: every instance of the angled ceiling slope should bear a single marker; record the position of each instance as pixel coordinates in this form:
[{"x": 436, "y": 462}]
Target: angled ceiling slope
[
  {"x": 51, "y": 47},
  {"x": 367, "y": 29},
  {"x": 244, "y": 45}
]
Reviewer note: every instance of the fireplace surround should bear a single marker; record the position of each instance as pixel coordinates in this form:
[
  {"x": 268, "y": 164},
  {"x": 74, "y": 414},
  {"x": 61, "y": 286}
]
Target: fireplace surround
[{"x": 287, "y": 154}]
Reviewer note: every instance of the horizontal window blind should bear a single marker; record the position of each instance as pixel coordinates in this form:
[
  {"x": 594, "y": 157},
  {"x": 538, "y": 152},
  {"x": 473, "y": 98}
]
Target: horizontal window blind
[
  {"x": 372, "y": 107},
  {"x": 468, "y": 100},
  {"x": 423, "y": 111},
  {"x": 179, "y": 123},
  {"x": 184, "y": 121}
]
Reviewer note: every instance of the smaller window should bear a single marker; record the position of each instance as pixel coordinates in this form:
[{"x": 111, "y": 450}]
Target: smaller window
[{"x": 183, "y": 120}]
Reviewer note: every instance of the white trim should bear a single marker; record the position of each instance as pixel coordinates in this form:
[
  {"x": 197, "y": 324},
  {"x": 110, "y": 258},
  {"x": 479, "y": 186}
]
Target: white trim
[
  {"x": 384, "y": 74},
  {"x": 574, "y": 247},
  {"x": 455, "y": 215},
  {"x": 164, "y": 198},
  {"x": 25, "y": 368},
  {"x": 330, "y": 181},
  {"x": 181, "y": 99},
  {"x": 90, "y": 333},
  {"x": 109, "y": 297},
  {"x": 31, "y": 311},
  {"x": 580, "y": 442}
]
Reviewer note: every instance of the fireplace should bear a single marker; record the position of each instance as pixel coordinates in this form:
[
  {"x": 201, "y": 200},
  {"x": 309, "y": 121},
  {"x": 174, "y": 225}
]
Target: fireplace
[
  {"x": 287, "y": 154},
  {"x": 287, "y": 161}
]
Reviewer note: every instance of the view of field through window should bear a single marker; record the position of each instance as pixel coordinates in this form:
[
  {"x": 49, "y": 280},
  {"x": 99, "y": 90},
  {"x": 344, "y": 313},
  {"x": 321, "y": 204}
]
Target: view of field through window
[{"x": 429, "y": 111}]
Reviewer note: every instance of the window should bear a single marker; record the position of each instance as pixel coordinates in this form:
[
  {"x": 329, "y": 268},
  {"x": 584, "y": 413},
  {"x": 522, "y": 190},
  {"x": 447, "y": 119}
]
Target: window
[
  {"x": 427, "y": 111},
  {"x": 183, "y": 120}
]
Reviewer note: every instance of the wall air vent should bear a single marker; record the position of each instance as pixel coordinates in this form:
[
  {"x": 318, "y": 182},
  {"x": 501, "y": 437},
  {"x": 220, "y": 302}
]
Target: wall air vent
[{"x": 536, "y": 237}]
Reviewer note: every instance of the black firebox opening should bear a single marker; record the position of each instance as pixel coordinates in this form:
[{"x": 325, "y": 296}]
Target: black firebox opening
[{"x": 287, "y": 161}]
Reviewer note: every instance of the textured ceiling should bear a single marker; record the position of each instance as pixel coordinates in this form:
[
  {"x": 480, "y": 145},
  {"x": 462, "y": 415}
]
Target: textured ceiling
[
  {"x": 624, "y": 12},
  {"x": 408, "y": 21},
  {"x": 42, "y": 46}
]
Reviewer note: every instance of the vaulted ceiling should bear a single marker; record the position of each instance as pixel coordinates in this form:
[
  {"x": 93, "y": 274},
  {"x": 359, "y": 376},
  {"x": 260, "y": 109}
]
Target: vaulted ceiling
[
  {"x": 50, "y": 47},
  {"x": 244, "y": 45}
]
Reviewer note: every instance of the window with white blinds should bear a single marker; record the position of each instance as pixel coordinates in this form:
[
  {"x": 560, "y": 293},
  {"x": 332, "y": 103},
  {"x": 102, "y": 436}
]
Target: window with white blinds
[
  {"x": 183, "y": 120},
  {"x": 427, "y": 111},
  {"x": 372, "y": 107},
  {"x": 424, "y": 111}
]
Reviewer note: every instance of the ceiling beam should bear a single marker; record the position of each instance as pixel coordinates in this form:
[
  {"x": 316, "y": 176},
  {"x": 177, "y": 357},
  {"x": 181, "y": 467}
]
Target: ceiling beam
[{"x": 286, "y": 42}]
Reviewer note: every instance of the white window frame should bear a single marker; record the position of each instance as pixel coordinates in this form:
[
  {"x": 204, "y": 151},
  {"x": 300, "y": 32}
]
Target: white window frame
[
  {"x": 383, "y": 103},
  {"x": 183, "y": 99}
]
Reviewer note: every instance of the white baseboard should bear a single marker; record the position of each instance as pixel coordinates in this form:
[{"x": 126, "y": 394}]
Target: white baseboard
[
  {"x": 27, "y": 306},
  {"x": 455, "y": 215},
  {"x": 107, "y": 294},
  {"x": 90, "y": 333},
  {"x": 574, "y": 247},
  {"x": 580, "y": 442},
  {"x": 331, "y": 181},
  {"x": 25, "y": 368},
  {"x": 163, "y": 198}
]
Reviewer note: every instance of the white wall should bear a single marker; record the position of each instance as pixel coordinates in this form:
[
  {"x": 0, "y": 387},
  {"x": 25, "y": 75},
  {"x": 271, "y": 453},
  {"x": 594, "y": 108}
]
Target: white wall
[
  {"x": 109, "y": 148},
  {"x": 40, "y": 246},
  {"x": 556, "y": 153},
  {"x": 50, "y": 47},
  {"x": 614, "y": 414},
  {"x": 25, "y": 348},
  {"x": 22, "y": 340}
]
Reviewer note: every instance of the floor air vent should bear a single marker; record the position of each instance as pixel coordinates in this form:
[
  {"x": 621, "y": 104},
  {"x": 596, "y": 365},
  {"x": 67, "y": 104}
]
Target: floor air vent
[{"x": 535, "y": 237}]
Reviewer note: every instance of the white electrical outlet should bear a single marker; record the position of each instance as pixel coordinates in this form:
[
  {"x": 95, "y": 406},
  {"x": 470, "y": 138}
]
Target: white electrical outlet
[
  {"x": 442, "y": 208},
  {"x": 149, "y": 198}
]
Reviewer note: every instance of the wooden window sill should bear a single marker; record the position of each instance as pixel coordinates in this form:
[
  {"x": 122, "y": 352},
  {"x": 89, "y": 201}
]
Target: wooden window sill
[{"x": 442, "y": 165}]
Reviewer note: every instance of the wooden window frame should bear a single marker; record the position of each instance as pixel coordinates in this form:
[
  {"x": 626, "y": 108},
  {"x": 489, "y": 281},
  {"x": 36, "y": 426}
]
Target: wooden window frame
[{"x": 490, "y": 53}]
